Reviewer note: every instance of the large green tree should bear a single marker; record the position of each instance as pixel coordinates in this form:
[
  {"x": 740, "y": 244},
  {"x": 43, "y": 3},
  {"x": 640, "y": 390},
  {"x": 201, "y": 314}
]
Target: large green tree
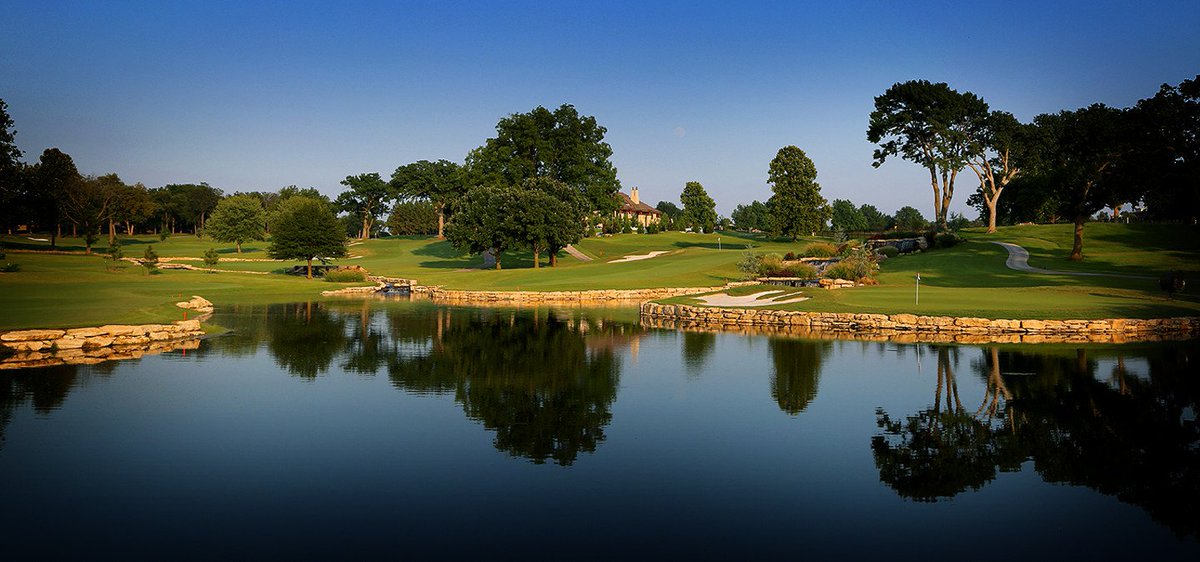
[
  {"x": 440, "y": 183},
  {"x": 561, "y": 144},
  {"x": 928, "y": 124},
  {"x": 91, "y": 204},
  {"x": 796, "y": 206},
  {"x": 366, "y": 199},
  {"x": 1081, "y": 152},
  {"x": 49, "y": 183},
  {"x": 11, "y": 167},
  {"x": 755, "y": 216},
  {"x": 237, "y": 219},
  {"x": 552, "y": 216},
  {"x": 486, "y": 221},
  {"x": 909, "y": 218},
  {"x": 412, "y": 217},
  {"x": 304, "y": 229},
  {"x": 846, "y": 217},
  {"x": 997, "y": 144},
  {"x": 1169, "y": 131},
  {"x": 699, "y": 210}
]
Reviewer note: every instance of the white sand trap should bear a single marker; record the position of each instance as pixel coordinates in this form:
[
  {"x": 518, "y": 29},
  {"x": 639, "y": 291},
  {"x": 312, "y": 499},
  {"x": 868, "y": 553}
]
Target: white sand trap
[
  {"x": 39, "y": 239},
  {"x": 637, "y": 257},
  {"x": 756, "y": 299}
]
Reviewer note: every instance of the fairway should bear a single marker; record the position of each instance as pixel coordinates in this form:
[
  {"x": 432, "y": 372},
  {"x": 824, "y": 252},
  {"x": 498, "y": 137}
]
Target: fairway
[{"x": 54, "y": 290}]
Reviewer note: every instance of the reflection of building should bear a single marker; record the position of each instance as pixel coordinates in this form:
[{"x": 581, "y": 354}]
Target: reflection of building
[{"x": 633, "y": 208}]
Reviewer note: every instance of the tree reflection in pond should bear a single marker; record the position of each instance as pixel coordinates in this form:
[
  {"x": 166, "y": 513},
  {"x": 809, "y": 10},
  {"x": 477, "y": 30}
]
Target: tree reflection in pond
[
  {"x": 1132, "y": 437},
  {"x": 797, "y": 371},
  {"x": 531, "y": 378},
  {"x": 44, "y": 388}
]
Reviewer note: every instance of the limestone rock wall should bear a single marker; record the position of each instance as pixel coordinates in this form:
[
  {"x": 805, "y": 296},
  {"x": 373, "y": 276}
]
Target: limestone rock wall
[
  {"x": 33, "y": 348},
  {"x": 911, "y": 328},
  {"x": 565, "y": 297}
]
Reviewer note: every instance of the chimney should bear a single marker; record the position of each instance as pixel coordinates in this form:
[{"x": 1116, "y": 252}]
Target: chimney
[{"x": 633, "y": 196}]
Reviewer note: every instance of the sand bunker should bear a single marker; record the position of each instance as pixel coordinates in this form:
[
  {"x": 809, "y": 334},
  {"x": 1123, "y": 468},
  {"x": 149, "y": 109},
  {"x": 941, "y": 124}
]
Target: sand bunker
[
  {"x": 756, "y": 299},
  {"x": 637, "y": 257}
]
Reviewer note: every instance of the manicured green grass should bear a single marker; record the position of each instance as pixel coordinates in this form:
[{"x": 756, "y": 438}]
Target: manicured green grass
[{"x": 968, "y": 280}]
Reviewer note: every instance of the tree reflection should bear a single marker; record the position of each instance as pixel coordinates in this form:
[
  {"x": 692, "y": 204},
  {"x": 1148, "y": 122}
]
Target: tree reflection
[
  {"x": 1132, "y": 437},
  {"x": 530, "y": 378},
  {"x": 797, "y": 372},
  {"x": 45, "y": 388},
  {"x": 304, "y": 338},
  {"x": 939, "y": 451},
  {"x": 697, "y": 347}
]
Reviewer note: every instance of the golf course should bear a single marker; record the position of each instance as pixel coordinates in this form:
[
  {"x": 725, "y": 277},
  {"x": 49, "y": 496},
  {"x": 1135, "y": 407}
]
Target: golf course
[{"x": 68, "y": 288}]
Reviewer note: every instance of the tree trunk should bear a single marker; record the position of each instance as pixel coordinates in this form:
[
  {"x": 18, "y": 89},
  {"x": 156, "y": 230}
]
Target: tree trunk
[
  {"x": 112, "y": 232},
  {"x": 537, "y": 258},
  {"x": 310, "y": 268},
  {"x": 366, "y": 228},
  {"x": 1077, "y": 249},
  {"x": 496, "y": 255},
  {"x": 238, "y": 243},
  {"x": 441, "y": 220},
  {"x": 553, "y": 257},
  {"x": 991, "y": 205},
  {"x": 74, "y": 230},
  {"x": 54, "y": 237},
  {"x": 937, "y": 191}
]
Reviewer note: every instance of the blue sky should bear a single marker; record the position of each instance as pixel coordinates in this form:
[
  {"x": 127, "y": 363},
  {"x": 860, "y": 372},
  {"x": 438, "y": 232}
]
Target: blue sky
[{"x": 256, "y": 96}]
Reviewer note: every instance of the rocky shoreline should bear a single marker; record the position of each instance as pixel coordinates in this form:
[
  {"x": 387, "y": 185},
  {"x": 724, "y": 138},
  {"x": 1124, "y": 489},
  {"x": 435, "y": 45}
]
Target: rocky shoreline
[{"x": 914, "y": 328}]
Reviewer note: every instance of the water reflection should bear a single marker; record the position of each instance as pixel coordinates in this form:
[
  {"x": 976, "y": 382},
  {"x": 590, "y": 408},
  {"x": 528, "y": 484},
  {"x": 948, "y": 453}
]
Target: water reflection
[
  {"x": 543, "y": 381},
  {"x": 797, "y": 370},
  {"x": 1127, "y": 435},
  {"x": 45, "y": 389}
]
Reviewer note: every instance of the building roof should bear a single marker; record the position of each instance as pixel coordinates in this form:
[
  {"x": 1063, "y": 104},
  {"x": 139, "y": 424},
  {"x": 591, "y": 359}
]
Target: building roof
[{"x": 628, "y": 206}]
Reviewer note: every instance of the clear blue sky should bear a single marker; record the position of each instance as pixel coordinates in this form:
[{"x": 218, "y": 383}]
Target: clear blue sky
[{"x": 256, "y": 96}]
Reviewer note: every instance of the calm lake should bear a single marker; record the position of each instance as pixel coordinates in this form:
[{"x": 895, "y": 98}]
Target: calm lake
[{"x": 399, "y": 429}]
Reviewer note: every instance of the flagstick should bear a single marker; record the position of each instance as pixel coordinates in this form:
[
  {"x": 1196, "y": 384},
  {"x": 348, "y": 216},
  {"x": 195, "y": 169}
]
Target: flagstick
[{"x": 918, "y": 301}]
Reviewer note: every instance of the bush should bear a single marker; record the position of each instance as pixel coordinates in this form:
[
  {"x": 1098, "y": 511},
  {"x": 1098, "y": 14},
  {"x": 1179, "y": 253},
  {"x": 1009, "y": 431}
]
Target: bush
[
  {"x": 345, "y": 276},
  {"x": 653, "y": 228},
  {"x": 888, "y": 251},
  {"x": 859, "y": 265},
  {"x": 162, "y": 236},
  {"x": 848, "y": 248},
  {"x": 211, "y": 258},
  {"x": 150, "y": 256},
  {"x": 943, "y": 239},
  {"x": 801, "y": 270},
  {"x": 789, "y": 256},
  {"x": 10, "y": 268},
  {"x": 819, "y": 250}
]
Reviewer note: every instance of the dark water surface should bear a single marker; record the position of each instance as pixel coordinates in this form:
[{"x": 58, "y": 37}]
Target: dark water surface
[{"x": 406, "y": 430}]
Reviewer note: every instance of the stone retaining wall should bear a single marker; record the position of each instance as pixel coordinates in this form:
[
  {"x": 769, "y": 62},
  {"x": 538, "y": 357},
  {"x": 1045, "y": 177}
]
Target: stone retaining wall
[
  {"x": 565, "y": 297},
  {"x": 33, "y": 348},
  {"x": 910, "y": 327}
]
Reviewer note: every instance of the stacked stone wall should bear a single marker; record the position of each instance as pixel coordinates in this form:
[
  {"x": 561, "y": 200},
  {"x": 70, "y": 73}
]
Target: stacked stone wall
[
  {"x": 37, "y": 348},
  {"x": 911, "y": 327}
]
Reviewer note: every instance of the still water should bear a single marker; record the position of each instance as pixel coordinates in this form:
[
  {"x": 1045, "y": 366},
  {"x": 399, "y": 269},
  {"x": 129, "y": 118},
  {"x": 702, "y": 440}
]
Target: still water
[{"x": 405, "y": 429}]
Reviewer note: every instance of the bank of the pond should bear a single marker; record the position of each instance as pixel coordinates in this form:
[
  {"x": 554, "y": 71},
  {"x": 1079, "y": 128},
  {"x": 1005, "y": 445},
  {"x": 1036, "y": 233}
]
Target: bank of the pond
[{"x": 910, "y": 327}]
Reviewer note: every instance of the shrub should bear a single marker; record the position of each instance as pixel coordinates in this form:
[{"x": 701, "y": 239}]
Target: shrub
[
  {"x": 653, "y": 228},
  {"x": 10, "y": 268},
  {"x": 211, "y": 258},
  {"x": 888, "y": 251},
  {"x": 848, "y": 248},
  {"x": 819, "y": 250},
  {"x": 859, "y": 265},
  {"x": 801, "y": 270},
  {"x": 344, "y": 276},
  {"x": 150, "y": 256},
  {"x": 946, "y": 240},
  {"x": 749, "y": 262},
  {"x": 789, "y": 256},
  {"x": 162, "y": 236}
]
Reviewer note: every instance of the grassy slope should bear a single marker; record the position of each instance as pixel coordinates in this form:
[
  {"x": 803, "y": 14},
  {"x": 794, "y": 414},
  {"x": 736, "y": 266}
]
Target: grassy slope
[{"x": 971, "y": 279}]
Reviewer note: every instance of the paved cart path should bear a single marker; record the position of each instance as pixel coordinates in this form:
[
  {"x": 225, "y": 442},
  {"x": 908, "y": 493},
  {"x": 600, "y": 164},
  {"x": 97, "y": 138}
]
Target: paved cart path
[{"x": 1018, "y": 259}]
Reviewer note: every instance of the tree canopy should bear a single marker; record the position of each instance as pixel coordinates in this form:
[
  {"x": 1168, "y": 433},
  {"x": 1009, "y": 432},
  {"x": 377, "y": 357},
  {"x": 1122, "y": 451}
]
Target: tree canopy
[
  {"x": 846, "y": 217},
  {"x": 797, "y": 206},
  {"x": 365, "y": 199},
  {"x": 699, "y": 210},
  {"x": 755, "y": 216},
  {"x": 306, "y": 229},
  {"x": 237, "y": 219},
  {"x": 439, "y": 182},
  {"x": 562, "y": 145},
  {"x": 928, "y": 124},
  {"x": 486, "y": 221}
]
